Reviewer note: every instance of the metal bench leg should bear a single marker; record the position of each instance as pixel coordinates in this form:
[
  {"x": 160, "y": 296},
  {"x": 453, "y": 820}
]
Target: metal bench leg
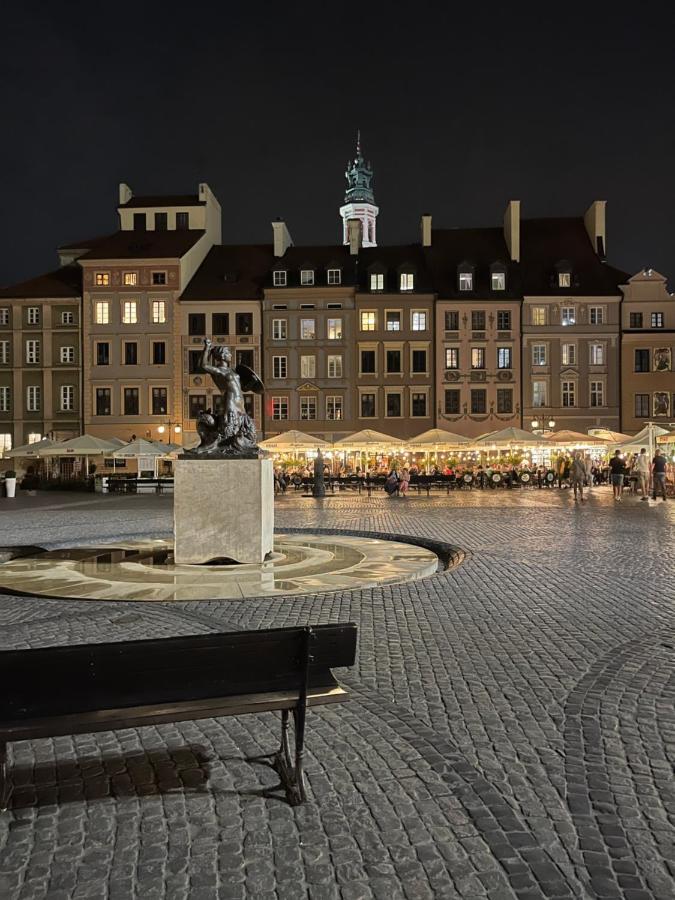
[{"x": 5, "y": 790}]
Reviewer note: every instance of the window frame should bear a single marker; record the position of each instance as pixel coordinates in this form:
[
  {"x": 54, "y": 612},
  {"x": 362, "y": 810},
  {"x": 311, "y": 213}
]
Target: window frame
[
  {"x": 33, "y": 398},
  {"x": 102, "y": 312},
  {"x": 333, "y": 277},
  {"x": 456, "y": 352},
  {"x": 479, "y": 354},
  {"x": 368, "y": 313},
  {"x": 123, "y": 312},
  {"x": 284, "y": 329},
  {"x": 406, "y": 281},
  {"x": 158, "y": 312},
  {"x": 308, "y": 399},
  {"x": 279, "y": 366},
  {"x": 332, "y": 327},
  {"x": 67, "y": 400},
  {"x": 280, "y": 279},
  {"x": 476, "y": 394},
  {"x": 336, "y": 401},
  {"x": 280, "y": 403},
  {"x": 509, "y": 352},
  {"x": 334, "y": 362},
  {"x": 305, "y": 337},
  {"x": 417, "y": 317},
  {"x": 306, "y": 277},
  {"x": 67, "y": 362}
]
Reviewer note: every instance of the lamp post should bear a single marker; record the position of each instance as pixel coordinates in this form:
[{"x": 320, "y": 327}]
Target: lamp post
[
  {"x": 541, "y": 428},
  {"x": 173, "y": 428}
]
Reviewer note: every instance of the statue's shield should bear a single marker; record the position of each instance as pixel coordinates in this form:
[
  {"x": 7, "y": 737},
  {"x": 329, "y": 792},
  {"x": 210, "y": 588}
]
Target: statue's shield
[{"x": 249, "y": 380}]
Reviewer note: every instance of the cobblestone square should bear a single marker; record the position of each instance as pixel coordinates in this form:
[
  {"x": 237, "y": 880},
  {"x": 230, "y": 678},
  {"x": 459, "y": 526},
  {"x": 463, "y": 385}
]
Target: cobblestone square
[{"x": 511, "y": 731}]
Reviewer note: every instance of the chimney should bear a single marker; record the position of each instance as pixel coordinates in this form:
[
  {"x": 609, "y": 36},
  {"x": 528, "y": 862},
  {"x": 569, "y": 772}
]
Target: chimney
[
  {"x": 125, "y": 193},
  {"x": 594, "y": 220},
  {"x": 425, "y": 225},
  {"x": 282, "y": 238},
  {"x": 512, "y": 229},
  {"x": 354, "y": 235}
]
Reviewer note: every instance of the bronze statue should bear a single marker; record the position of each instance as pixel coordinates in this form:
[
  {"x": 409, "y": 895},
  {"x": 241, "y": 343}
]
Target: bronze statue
[
  {"x": 228, "y": 431},
  {"x": 319, "y": 486}
]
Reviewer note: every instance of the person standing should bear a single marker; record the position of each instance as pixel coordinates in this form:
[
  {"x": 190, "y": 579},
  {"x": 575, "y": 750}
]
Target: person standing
[
  {"x": 617, "y": 470},
  {"x": 588, "y": 465},
  {"x": 642, "y": 469},
  {"x": 404, "y": 483},
  {"x": 659, "y": 475},
  {"x": 578, "y": 475}
]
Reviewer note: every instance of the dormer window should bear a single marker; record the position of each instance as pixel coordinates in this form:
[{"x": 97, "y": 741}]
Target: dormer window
[
  {"x": 466, "y": 280},
  {"x": 161, "y": 221},
  {"x": 307, "y": 276},
  {"x": 182, "y": 221},
  {"x": 407, "y": 281},
  {"x": 498, "y": 277},
  {"x": 377, "y": 281},
  {"x": 279, "y": 278},
  {"x": 334, "y": 276},
  {"x": 564, "y": 279}
]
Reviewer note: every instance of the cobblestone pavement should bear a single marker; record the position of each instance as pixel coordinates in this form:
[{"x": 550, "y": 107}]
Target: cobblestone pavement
[{"x": 511, "y": 732}]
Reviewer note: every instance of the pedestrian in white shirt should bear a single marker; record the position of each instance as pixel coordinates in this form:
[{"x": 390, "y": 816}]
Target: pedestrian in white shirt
[{"x": 642, "y": 469}]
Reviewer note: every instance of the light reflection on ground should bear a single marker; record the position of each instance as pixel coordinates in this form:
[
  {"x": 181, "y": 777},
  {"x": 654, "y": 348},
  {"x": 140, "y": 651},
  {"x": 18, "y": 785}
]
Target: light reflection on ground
[{"x": 144, "y": 570}]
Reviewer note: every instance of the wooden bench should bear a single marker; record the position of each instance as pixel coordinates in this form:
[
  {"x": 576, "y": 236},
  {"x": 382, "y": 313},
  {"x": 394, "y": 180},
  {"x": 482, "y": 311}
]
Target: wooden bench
[{"x": 52, "y": 691}]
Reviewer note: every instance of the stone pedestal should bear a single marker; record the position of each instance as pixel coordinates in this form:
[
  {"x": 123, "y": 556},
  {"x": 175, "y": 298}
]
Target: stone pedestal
[{"x": 223, "y": 508}]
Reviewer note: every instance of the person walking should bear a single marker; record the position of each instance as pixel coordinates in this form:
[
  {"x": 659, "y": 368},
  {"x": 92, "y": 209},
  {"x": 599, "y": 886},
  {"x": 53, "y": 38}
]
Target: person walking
[
  {"x": 617, "y": 471},
  {"x": 588, "y": 465},
  {"x": 404, "y": 483},
  {"x": 642, "y": 469},
  {"x": 578, "y": 475},
  {"x": 659, "y": 475}
]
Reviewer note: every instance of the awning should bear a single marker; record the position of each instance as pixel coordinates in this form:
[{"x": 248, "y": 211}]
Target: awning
[
  {"x": 293, "y": 440},
  {"x": 437, "y": 439},
  {"x": 84, "y": 445},
  {"x": 368, "y": 440},
  {"x": 32, "y": 451}
]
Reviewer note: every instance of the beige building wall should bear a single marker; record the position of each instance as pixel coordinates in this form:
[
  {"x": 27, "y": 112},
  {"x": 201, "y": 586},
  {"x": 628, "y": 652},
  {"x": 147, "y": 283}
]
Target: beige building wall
[
  {"x": 117, "y": 374},
  {"x": 243, "y": 336},
  {"x": 571, "y": 371},
  {"x": 54, "y": 323},
  {"x": 393, "y": 328},
  {"x": 329, "y": 398},
  {"x": 647, "y": 352},
  {"x": 463, "y": 389}
]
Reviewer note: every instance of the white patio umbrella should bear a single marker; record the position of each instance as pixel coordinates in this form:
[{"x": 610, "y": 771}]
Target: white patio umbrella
[
  {"x": 293, "y": 440},
  {"x": 143, "y": 449},
  {"x": 436, "y": 439},
  {"x": 32, "y": 451},
  {"x": 511, "y": 437},
  {"x": 369, "y": 440},
  {"x": 85, "y": 445}
]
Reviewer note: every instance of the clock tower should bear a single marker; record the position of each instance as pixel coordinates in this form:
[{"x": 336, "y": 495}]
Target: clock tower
[{"x": 359, "y": 199}]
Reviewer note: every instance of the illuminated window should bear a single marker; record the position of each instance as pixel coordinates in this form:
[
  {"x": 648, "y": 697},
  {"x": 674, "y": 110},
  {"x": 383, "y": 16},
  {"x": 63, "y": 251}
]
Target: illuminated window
[
  {"x": 539, "y": 393},
  {"x": 307, "y": 277},
  {"x": 452, "y": 357},
  {"x": 67, "y": 354},
  {"x": 597, "y": 354},
  {"x": 335, "y": 366},
  {"x": 334, "y": 330},
  {"x": 478, "y": 357},
  {"x": 407, "y": 281},
  {"x": 377, "y": 281},
  {"x": 538, "y": 314},
  {"x": 67, "y": 397},
  {"x": 567, "y": 315},
  {"x": 102, "y": 312},
  {"x": 334, "y": 276},
  {"x": 308, "y": 366},
  {"x": 334, "y": 407},
  {"x": 368, "y": 320},
  {"x": 466, "y": 281},
  {"x": 33, "y": 398},
  {"x": 5, "y": 441},
  {"x": 279, "y": 366},
  {"x": 539, "y": 354},
  {"x": 307, "y": 329},
  {"x": 504, "y": 358},
  {"x": 279, "y": 278},
  {"x": 308, "y": 408},
  {"x": 418, "y": 320},
  {"x": 564, "y": 279},
  {"x": 129, "y": 312},
  {"x": 498, "y": 281},
  {"x": 130, "y": 278},
  {"x": 279, "y": 408},
  {"x": 102, "y": 279},
  {"x": 33, "y": 352},
  {"x": 158, "y": 312},
  {"x": 569, "y": 354},
  {"x": 568, "y": 393}
]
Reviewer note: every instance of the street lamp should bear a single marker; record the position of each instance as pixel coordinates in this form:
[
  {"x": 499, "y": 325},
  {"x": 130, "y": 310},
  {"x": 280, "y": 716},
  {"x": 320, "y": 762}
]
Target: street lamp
[
  {"x": 170, "y": 427},
  {"x": 536, "y": 426}
]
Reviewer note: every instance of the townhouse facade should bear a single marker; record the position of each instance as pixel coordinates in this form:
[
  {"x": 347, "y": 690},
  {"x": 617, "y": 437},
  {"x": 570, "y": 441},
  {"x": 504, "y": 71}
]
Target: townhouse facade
[
  {"x": 647, "y": 350},
  {"x": 470, "y": 330}
]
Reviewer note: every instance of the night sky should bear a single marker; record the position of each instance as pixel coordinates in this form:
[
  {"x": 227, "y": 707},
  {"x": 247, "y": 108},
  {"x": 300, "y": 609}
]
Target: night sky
[{"x": 461, "y": 107}]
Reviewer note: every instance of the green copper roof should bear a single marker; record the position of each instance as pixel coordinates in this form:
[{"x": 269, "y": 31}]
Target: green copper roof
[{"x": 359, "y": 177}]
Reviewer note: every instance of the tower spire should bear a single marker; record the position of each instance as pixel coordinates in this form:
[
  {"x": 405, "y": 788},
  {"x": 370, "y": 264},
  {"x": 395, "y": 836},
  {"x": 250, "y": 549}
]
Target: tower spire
[{"x": 359, "y": 197}]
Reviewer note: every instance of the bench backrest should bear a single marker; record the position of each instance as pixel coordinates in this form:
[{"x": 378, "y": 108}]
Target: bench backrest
[{"x": 50, "y": 681}]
